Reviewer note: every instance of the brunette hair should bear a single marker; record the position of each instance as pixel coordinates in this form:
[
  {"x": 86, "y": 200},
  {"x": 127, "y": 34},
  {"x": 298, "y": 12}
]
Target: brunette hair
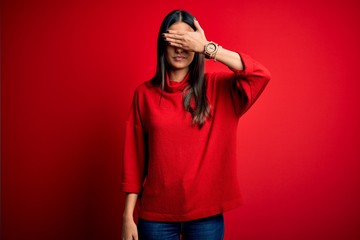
[{"x": 196, "y": 91}]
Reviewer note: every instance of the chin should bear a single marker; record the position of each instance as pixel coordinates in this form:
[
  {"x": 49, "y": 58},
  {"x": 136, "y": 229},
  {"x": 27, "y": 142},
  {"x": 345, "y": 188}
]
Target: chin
[{"x": 179, "y": 65}]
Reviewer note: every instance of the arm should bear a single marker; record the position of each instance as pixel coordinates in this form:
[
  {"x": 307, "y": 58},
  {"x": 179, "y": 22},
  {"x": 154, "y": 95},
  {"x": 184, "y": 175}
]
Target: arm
[
  {"x": 133, "y": 166},
  {"x": 129, "y": 229},
  {"x": 229, "y": 58},
  {"x": 196, "y": 41}
]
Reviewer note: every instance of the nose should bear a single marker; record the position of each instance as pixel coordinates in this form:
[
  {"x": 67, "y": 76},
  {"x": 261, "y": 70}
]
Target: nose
[{"x": 178, "y": 50}]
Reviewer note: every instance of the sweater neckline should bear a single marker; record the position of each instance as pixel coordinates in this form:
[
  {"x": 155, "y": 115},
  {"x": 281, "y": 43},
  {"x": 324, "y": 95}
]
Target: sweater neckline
[{"x": 172, "y": 86}]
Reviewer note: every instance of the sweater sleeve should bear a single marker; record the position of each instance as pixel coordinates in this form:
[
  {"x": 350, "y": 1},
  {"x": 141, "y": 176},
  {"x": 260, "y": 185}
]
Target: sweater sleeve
[
  {"x": 133, "y": 164},
  {"x": 248, "y": 83}
]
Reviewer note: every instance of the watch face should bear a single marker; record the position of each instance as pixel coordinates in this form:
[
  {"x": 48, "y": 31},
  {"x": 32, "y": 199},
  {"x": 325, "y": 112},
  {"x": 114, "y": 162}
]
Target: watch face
[{"x": 210, "y": 47}]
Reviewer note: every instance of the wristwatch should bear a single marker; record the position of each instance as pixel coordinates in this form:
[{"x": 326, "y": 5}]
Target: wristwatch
[{"x": 210, "y": 49}]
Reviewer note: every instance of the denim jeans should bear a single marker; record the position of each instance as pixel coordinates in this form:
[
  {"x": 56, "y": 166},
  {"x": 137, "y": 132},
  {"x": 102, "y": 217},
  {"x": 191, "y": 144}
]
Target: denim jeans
[{"x": 210, "y": 228}]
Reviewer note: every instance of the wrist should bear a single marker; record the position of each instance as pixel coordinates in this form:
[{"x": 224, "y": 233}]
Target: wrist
[
  {"x": 200, "y": 47},
  {"x": 128, "y": 216},
  {"x": 206, "y": 42},
  {"x": 210, "y": 50},
  {"x": 128, "y": 220}
]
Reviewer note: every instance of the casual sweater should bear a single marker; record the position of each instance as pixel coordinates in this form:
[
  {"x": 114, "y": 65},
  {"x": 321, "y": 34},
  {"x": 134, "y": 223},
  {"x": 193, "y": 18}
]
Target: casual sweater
[{"x": 182, "y": 172}]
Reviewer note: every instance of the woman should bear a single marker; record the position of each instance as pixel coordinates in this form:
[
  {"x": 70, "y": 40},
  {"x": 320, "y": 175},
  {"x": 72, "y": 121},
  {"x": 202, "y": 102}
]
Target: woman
[{"x": 180, "y": 141}]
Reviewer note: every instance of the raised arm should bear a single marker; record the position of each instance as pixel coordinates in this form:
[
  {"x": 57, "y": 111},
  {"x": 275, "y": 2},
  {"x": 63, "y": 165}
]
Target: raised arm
[{"x": 196, "y": 41}]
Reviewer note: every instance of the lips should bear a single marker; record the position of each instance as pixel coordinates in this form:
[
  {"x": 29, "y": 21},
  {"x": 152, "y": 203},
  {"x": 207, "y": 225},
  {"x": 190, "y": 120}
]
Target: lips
[{"x": 179, "y": 57}]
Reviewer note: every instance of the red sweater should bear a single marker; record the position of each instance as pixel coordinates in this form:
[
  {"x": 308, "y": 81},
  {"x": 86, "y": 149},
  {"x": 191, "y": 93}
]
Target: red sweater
[{"x": 182, "y": 172}]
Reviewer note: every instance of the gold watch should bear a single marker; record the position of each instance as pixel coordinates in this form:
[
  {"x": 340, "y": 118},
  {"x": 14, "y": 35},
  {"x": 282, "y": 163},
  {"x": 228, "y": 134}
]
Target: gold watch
[{"x": 210, "y": 49}]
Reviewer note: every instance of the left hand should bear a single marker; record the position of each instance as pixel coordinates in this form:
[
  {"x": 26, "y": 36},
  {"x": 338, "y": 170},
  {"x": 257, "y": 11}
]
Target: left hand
[{"x": 189, "y": 41}]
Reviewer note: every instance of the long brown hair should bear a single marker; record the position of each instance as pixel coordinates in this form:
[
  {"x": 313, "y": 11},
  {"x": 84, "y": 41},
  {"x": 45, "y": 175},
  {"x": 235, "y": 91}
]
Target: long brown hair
[{"x": 197, "y": 88}]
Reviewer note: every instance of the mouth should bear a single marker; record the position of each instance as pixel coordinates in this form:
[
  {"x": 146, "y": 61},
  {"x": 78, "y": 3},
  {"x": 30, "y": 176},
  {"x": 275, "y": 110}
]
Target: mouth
[{"x": 179, "y": 58}]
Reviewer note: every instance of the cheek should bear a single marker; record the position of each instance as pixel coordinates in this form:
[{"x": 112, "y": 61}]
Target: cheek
[
  {"x": 168, "y": 52},
  {"x": 169, "y": 49},
  {"x": 191, "y": 57}
]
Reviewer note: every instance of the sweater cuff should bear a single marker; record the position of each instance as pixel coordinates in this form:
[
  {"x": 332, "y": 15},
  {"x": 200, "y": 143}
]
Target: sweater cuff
[{"x": 130, "y": 188}]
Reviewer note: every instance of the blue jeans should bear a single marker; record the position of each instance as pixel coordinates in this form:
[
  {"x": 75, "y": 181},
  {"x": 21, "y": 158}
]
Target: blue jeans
[{"x": 210, "y": 228}]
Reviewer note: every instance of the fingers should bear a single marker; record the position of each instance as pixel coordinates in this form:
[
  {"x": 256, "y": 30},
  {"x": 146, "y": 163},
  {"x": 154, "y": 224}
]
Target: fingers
[
  {"x": 175, "y": 40},
  {"x": 186, "y": 40},
  {"x": 197, "y": 26},
  {"x": 133, "y": 236},
  {"x": 179, "y": 45},
  {"x": 176, "y": 32},
  {"x": 173, "y": 36},
  {"x": 176, "y": 43}
]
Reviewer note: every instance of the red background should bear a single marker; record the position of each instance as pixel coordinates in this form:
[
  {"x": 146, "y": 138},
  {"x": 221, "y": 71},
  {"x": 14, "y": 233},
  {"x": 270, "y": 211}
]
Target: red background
[{"x": 68, "y": 71}]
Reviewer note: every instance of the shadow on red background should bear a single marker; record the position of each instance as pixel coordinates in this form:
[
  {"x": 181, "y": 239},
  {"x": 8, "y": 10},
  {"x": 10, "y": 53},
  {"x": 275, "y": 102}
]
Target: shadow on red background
[{"x": 68, "y": 70}]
